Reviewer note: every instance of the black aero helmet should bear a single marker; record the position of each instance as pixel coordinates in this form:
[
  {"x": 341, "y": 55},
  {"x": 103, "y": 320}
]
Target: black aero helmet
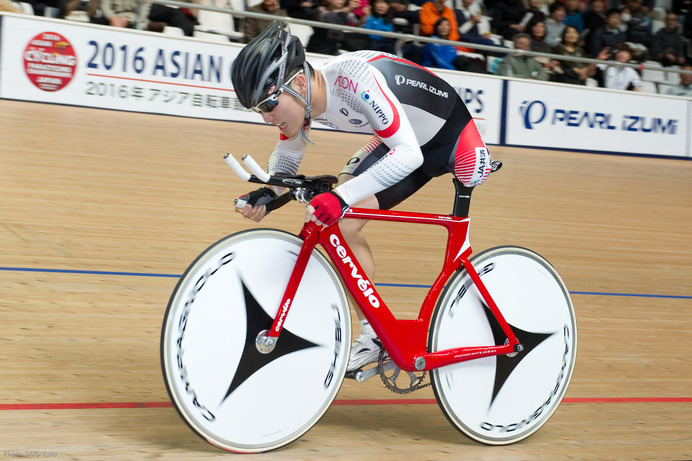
[{"x": 265, "y": 63}]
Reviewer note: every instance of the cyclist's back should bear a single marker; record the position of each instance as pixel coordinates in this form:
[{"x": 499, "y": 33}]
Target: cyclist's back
[
  {"x": 408, "y": 107},
  {"x": 355, "y": 79}
]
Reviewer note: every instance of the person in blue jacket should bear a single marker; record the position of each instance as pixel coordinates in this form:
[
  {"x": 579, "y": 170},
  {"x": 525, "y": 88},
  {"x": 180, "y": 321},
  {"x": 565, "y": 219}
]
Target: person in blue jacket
[
  {"x": 380, "y": 19},
  {"x": 439, "y": 55}
]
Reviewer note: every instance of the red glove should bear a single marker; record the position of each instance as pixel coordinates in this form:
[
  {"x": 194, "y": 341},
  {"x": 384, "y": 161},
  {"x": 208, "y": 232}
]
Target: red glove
[{"x": 329, "y": 207}]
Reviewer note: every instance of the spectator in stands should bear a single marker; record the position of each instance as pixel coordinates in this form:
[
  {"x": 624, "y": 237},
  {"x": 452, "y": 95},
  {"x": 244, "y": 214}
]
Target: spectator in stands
[
  {"x": 154, "y": 16},
  {"x": 380, "y": 19},
  {"x": 684, "y": 88},
  {"x": 554, "y": 25},
  {"x": 537, "y": 31},
  {"x": 254, "y": 26},
  {"x": 687, "y": 27},
  {"x": 638, "y": 24},
  {"x": 618, "y": 77},
  {"x": 573, "y": 15},
  {"x": 682, "y": 8},
  {"x": 362, "y": 9},
  {"x": 537, "y": 11},
  {"x": 474, "y": 27},
  {"x": 50, "y": 8},
  {"x": 445, "y": 56},
  {"x": 429, "y": 14},
  {"x": 594, "y": 18},
  {"x": 520, "y": 65},
  {"x": 400, "y": 10},
  {"x": 9, "y": 7},
  {"x": 330, "y": 41},
  {"x": 667, "y": 46},
  {"x": 609, "y": 36},
  {"x": 505, "y": 15},
  {"x": 301, "y": 9},
  {"x": 92, "y": 8},
  {"x": 570, "y": 71}
]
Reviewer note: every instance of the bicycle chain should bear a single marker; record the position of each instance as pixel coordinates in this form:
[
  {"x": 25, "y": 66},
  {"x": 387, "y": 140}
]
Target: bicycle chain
[{"x": 397, "y": 390}]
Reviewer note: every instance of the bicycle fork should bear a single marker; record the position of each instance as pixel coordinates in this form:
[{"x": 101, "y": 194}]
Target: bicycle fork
[{"x": 266, "y": 339}]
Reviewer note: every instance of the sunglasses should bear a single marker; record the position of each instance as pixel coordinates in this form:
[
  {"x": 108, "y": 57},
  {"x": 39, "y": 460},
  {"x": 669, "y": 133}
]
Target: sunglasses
[{"x": 269, "y": 104}]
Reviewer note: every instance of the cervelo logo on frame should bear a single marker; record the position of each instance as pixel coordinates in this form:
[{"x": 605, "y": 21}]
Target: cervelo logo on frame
[
  {"x": 363, "y": 285},
  {"x": 537, "y": 112}
]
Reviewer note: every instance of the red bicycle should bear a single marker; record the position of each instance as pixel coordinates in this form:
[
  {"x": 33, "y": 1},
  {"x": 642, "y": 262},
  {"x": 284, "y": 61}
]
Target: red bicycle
[{"x": 257, "y": 332}]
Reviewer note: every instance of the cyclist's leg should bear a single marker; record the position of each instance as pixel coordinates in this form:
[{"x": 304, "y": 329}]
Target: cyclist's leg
[
  {"x": 366, "y": 347},
  {"x": 352, "y": 230}
]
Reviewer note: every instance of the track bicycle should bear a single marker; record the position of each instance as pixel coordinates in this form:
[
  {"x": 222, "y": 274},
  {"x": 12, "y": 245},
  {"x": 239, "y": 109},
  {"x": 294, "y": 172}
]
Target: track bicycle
[{"x": 257, "y": 333}]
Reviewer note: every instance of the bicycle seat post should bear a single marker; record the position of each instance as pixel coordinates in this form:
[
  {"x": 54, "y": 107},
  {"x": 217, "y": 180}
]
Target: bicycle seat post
[{"x": 462, "y": 199}]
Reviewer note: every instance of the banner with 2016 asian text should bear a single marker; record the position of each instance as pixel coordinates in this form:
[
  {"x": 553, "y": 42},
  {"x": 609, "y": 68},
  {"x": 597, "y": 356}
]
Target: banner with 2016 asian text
[
  {"x": 80, "y": 64},
  {"x": 55, "y": 61}
]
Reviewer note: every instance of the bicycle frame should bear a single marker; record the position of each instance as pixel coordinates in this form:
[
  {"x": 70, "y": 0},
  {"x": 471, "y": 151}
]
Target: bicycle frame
[{"x": 404, "y": 340}]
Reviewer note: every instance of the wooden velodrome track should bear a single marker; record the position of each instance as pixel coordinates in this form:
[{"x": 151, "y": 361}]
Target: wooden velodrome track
[{"x": 101, "y": 211}]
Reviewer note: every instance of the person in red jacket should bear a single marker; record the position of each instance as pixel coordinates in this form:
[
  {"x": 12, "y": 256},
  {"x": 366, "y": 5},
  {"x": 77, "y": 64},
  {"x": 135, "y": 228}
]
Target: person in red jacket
[{"x": 431, "y": 12}]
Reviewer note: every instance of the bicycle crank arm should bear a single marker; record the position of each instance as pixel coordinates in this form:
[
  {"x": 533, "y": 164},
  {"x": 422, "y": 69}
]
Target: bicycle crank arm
[{"x": 363, "y": 375}]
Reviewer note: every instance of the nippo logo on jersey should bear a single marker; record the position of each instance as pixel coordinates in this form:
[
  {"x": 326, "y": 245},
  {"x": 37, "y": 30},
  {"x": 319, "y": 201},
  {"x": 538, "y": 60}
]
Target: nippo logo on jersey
[{"x": 50, "y": 61}]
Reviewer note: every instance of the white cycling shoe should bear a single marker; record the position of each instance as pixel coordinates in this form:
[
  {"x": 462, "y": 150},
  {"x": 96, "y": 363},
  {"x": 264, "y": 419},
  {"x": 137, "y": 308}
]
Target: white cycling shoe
[{"x": 364, "y": 350}]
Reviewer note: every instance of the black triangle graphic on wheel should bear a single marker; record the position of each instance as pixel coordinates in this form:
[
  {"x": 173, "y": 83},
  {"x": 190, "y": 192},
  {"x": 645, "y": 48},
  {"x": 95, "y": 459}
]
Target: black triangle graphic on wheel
[
  {"x": 253, "y": 360},
  {"x": 504, "y": 366}
]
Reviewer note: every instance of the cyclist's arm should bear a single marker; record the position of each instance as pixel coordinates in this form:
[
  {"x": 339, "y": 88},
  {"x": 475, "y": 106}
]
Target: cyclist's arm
[
  {"x": 286, "y": 157},
  {"x": 391, "y": 124}
]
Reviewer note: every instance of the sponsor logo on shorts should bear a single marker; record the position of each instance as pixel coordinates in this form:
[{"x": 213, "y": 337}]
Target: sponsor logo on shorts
[{"x": 482, "y": 169}]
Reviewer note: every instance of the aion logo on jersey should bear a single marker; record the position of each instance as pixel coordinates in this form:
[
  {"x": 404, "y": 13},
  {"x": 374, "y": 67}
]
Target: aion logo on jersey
[
  {"x": 534, "y": 113},
  {"x": 50, "y": 61},
  {"x": 346, "y": 83}
]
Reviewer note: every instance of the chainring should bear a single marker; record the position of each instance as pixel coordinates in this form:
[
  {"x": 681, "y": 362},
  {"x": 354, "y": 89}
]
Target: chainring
[{"x": 415, "y": 381}]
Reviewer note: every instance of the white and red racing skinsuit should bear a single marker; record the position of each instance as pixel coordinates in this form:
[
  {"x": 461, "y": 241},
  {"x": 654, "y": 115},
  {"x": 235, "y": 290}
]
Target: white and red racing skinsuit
[{"x": 420, "y": 124}]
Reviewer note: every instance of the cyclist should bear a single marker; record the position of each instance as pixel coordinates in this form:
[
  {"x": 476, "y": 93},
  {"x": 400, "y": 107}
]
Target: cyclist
[{"x": 422, "y": 129}]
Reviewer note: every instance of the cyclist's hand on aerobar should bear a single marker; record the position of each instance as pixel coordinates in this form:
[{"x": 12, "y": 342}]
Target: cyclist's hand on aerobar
[
  {"x": 255, "y": 203},
  {"x": 326, "y": 209}
]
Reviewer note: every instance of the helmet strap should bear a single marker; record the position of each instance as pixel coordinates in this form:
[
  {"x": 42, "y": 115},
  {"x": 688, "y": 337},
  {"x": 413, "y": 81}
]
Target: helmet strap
[{"x": 306, "y": 100}]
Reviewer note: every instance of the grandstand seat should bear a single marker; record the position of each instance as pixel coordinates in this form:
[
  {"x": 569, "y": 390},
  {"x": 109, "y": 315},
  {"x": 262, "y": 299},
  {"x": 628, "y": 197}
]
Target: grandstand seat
[
  {"x": 211, "y": 36},
  {"x": 25, "y": 7},
  {"x": 215, "y": 22},
  {"x": 301, "y": 31},
  {"x": 649, "y": 87},
  {"x": 175, "y": 31}
]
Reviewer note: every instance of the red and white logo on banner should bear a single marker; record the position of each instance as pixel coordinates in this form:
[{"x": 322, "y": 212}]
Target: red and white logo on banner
[{"x": 50, "y": 61}]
